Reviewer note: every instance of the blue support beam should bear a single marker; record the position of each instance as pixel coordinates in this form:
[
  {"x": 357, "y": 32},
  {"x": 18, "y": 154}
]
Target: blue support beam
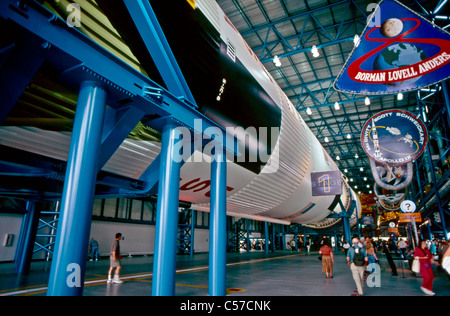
[
  {"x": 27, "y": 237},
  {"x": 148, "y": 26},
  {"x": 117, "y": 126},
  {"x": 444, "y": 85},
  {"x": 19, "y": 63},
  {"x": 76, "y": 58},
  {"x": 164, "y": 263},
  {"x": 69, "y": 261},
  {"x": 436, "y": 192},
  {"x": 266, "y": 237},
  {"x": 218, "y": 225}
]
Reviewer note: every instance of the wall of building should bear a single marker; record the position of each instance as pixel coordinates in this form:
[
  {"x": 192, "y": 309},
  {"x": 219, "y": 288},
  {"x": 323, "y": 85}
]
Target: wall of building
[
  {"x": 138, "y": 239},
  {"x": 9, "y": 224}
]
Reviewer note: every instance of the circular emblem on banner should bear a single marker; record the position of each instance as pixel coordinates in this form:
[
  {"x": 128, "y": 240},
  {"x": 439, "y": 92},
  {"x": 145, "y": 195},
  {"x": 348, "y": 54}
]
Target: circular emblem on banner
[
  {"x": 391, "y": 177},
  {"x": 390, "y": 200},
  {"x": 408, "y": 206},
  {"x": 394, "y": 137}
]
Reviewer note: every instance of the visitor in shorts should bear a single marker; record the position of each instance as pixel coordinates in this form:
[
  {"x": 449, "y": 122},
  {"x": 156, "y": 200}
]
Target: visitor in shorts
[{"x": 114, "y": 260}]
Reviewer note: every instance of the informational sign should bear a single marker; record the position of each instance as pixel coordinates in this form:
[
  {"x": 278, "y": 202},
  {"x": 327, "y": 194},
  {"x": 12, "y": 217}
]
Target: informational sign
[
  {"x": 408, "y": 206},
  {"x": 398, "y": 51},
  {"x": 393, "y": 230},
  {"x": 326, "y": 183},
  {"x": 394, "y": 137},
  {"x": 407, "y": 217},
  {"x": 366, "y": 220}
]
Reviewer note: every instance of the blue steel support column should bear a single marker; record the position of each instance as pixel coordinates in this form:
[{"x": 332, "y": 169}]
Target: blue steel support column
[
  {"x": 247, "y": 226},
  {"x": 164, "y": 264},
  {"x": 266, "y": 237},
  {"x": 273, "y": 238},
  {"x": 24, "y": 250},
  {"x": 446, "y": 97},
  {"x": 193, "y": 218},
  {"x": 436, "y": 193},
  {"x": 218, "y": 225},
  {"x": 72, "y": 239},
  {"x": 430, "y": 235}
]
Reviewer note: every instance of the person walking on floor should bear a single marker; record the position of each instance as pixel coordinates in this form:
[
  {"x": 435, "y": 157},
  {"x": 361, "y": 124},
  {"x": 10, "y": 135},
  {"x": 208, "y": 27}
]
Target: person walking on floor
[
  {"x": 93, "y": 246},
  {"x": 371, "y": 254},
  {"x": 385, "y": 248},
  {"x": 114, "y": 260},
  {"x": 292, "y": 244},
  {"x": 327, "y": 259},
  {"x": 402, "y": 246},
  {"x": 357, "y": 259},
  {"x": 445, "y": 263},
  {"x": 346, "y": 246},
  {"x": 426, "y": 269}
]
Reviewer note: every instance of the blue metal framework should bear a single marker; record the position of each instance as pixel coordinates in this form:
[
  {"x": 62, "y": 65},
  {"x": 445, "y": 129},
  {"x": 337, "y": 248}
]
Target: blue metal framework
[
  {"x": 218, "y": 224},
  {"x": 288, "y": 30},
  {"x": 430, "y": 186},
  {"x": 101, "y": 78},
  {"x": 72, "y": 237},
  {"x": 186, "y": 229},
  {"x": 238, "y": 235},
  {"x": 104, "y": 79},
  {"x": 48, "y": 225}
]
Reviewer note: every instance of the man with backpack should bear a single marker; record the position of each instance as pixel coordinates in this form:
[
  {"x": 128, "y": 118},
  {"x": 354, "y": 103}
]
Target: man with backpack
[{"x": 357, "y": 259}]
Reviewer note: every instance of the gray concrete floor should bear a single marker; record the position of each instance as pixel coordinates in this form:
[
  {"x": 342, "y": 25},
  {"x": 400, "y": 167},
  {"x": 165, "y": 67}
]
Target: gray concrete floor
[{"x": 248, "y": 274}]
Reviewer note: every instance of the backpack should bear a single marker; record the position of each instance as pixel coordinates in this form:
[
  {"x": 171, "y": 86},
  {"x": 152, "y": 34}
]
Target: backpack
[{"x": 358, "y": 258}]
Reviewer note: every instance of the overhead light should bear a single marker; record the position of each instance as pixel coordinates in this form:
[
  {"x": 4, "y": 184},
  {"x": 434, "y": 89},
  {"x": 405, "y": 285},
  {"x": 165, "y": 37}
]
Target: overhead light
[
  {"x": 345, "y": 170},
  {"x": 308, "y": 110},
  {"x": 368, "y": 186},
  {"x": 400, "y": 96},
  {"x": 356, "y": 40},
  {"x": 315, "y": 51},
  {"x": 351, "y": 179},
  {"x": 356, "y": 156},
  {"x": 355, "y": 186},
  {"x": 370, "y": 192},
  {"x": 365, "y": 178},
  {"x": 361, "y": 169},
  {"x": 349, "y": 136},
  {"x": 440, "y": 6},
  {"x": 337, "y": 106},
  {"x": 276, "y": 61},
  {"x": 326, "y": 139},
  {"x": 338, "y": 158},
  {"x": 367, "y": 101}
]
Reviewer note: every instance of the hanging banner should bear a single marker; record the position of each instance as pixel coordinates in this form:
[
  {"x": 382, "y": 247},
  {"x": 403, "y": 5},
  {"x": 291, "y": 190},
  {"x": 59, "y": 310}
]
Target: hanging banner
[
  {"x": 398, "y": 51},
  {"x": 390, "y": 200},
  {"x": 391, "y": 177},
  {"x": 394, "y": 137}
]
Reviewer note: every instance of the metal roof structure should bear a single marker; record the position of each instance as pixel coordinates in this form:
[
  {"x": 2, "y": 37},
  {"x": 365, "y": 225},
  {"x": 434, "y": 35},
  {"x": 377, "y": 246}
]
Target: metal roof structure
[{"x": 287, "y": 30}]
